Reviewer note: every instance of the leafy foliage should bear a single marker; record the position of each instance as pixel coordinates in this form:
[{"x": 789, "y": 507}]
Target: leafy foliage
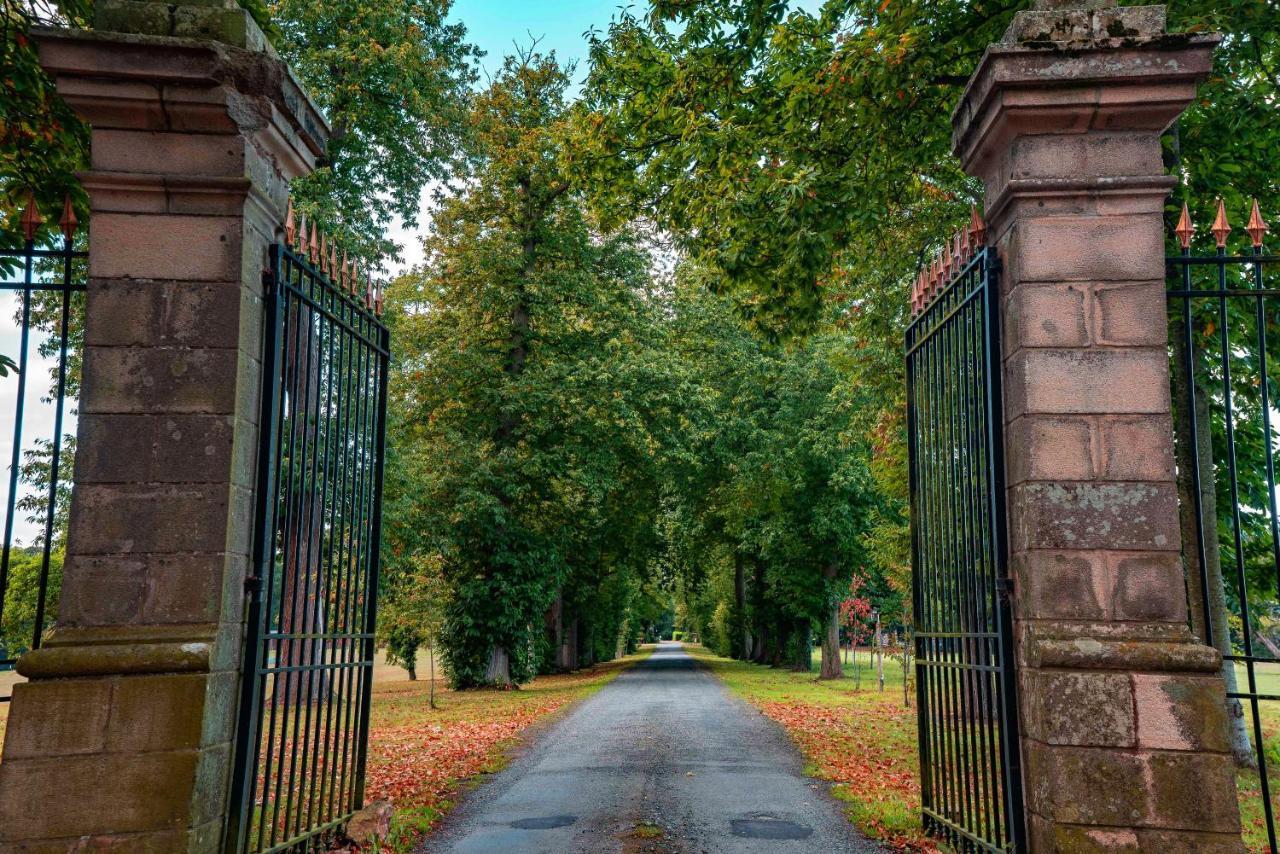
[
  {"x": 525, "y": 355},
  {"x": 394, "y": 81},
  {"x": 42, "y": 143}
]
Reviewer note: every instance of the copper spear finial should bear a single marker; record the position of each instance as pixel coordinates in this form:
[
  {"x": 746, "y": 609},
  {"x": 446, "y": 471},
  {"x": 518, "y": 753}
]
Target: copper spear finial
[
  {"x": 1221, "y": 228},
  {"x": 333, "y": 261},
  {"x": 1257, "y": 226},
  {"x": 1186, "y": 228},
  {"x": 31, "y": 219},
  {"x": 314, "y": 246},
  {"x": 68, "y": 222},
  {"x": 290, "y": 226},
  {"x": 977, "y": 229}
]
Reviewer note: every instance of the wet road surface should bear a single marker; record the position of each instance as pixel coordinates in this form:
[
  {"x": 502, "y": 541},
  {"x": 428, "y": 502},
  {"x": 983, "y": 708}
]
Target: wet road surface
[{"x": 662, "y": 759}]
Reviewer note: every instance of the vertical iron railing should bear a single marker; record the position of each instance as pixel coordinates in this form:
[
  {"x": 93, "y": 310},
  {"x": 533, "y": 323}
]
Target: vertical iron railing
[
  {"x": 46, "y": 280},
  {"x": 971, "y": 786},
  {"x": 1224, "y": 309},
  {"x": 304, "y": 707}
]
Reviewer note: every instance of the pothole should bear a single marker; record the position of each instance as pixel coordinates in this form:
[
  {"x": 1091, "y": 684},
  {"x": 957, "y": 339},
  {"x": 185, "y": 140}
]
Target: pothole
[
  {"x": 764, "y": 827},
  {"x": 544, "y": 822}
]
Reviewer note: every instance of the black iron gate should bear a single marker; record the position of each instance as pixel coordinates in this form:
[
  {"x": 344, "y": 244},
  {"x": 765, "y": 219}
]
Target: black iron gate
[
  {"x": 970, "y": 773},
  {"x": 304, "y": 710},
  {"x": 1224, "y": 321},
  {"x": 40, "y": 372}
]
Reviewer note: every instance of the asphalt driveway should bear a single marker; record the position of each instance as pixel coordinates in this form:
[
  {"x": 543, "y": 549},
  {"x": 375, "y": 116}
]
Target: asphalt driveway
[{"x": 663, "y": 759}]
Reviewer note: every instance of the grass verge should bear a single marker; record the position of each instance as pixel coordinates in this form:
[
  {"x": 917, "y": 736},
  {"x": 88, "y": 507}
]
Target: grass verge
[
  {"x": 421, "y": 759},
  {"x": 863, "y": 741}
]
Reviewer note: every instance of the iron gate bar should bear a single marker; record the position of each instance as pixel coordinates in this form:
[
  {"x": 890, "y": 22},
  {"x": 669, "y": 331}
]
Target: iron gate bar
[
  {"x": 65, "y": 284},
  {"x": 965, "y": 687},
  {"x": 1181, "y": 297},
  {"x": 312, "y": 594}
]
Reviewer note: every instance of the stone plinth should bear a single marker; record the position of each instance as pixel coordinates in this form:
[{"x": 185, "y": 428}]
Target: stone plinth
[
  {"x": 122, "y": 738},
  {"x": 1124, "y": 735}
]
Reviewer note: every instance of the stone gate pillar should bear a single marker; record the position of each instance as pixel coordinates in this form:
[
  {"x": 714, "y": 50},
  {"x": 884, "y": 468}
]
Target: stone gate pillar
[
  {"x": 1124, "y": 737},
  {"x": 122, "y": 738}
]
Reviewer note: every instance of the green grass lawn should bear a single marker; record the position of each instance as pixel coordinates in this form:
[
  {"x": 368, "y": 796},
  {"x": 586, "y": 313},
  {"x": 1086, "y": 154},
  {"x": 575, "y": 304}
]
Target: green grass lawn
[
  {"x": 862, "y": 740},
  {"x": 1248, "y": 781}
]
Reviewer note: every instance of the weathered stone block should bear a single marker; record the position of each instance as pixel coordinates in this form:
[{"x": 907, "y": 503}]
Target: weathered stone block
[
  {"x": 1181, "y": 712},
  {"x": 190, "y": 588},
  {"x": 1192, "y": 791},
  {"x": 161, "y": 380},
  {"x": 1131, "y": 314},
  {"x": 101, "y": 591},
  {"x": 1120, "y": 516},
  {"x": 1137, "y": 447},
  {"x": 1149, "y": 587},
  {"x": 195, "y": 248},
  {"x": 1088, "y": 249},
  {"x": 57, "y": 718},
  {"x": 1087, "y": 382},
  {"x": 100, "y": 794},
  {"x": 210, "y": 795},
  {"x": 155, "y": 449},
  {"x": 168, "y": 153},
  {"x": 124, "y": 312},
  {"x": 179, "y": 518},
  {"x": 1057, "y": 585},
  {"x": 1076, "y": 156},
  {"x": 1185, "y": 842},
  {"x": 222, "y": 693},
  {"x": 1047, "y": 315},
  {"x": 1091, "y": 786},
  {"x": 1074, "y": 839},
  {"x": 1086, "y": 709},
  {"x": 154, "y": 713},
  {"x": 1057, "y": 448},
  {"x": 164, "y": 842}
]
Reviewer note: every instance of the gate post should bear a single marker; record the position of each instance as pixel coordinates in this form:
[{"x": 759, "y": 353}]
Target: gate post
[
  {"x": 121, "y": 740},
  {"x": 1123, "y": 728}
]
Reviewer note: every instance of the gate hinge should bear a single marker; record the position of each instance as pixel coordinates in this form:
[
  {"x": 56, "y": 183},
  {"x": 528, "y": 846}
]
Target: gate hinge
[
  {"x": 268, "y": 281},
  {"x": 1004, "y": 587}
]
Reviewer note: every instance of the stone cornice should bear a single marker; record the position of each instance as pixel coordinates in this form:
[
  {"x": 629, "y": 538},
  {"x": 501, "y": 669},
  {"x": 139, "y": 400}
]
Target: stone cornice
[
  {"x": 1065, "y": 88},
  {"x": 261, "y": 95}
]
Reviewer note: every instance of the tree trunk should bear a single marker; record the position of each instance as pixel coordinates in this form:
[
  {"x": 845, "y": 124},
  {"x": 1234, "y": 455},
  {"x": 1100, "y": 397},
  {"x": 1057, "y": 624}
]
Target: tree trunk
[
  {"x": 558, "y": 633},
  {"x": 569, "y": 649},
  {"x": 831, "y": 667},
  {"x": 431, "y": 662},
  {"x": 803, "y": 650},
  {"x": 739, "y": 636},
  {"x": 412, "y": 667},
  {"x": 498, "y": 673},
  {"x": 1208, "y": 578},
  {"x": 879, "y": 653},
  {"x": 759, "y": 646},
  {"x": 907, "y": 648}
]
